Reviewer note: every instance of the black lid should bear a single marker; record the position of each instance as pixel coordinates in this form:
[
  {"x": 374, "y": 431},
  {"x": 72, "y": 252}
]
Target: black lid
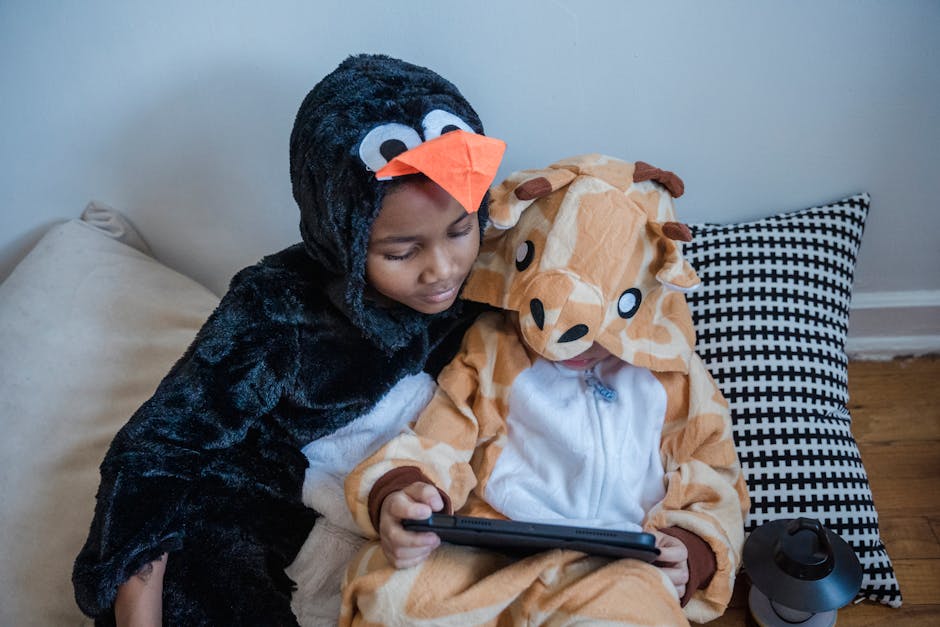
[{"x": 802, "y": 565}]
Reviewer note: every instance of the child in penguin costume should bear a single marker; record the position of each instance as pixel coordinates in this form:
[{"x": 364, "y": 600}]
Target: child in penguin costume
[{"x": 209, "y": 470}]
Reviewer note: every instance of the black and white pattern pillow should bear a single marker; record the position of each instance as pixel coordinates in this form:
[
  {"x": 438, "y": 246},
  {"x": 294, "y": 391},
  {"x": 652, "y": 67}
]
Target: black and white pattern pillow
[{"x": 771, "y": 316}]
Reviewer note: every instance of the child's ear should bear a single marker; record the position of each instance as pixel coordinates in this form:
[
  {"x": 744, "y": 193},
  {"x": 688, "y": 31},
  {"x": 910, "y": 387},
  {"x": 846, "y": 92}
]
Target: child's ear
[{"x": 511, "y": 197}]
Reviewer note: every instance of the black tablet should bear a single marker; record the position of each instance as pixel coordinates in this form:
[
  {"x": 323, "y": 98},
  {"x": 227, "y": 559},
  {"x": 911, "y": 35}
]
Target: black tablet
[{"x": 524, "y": 538}]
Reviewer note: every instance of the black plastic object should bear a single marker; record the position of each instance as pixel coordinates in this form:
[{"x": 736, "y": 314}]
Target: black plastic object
[
  {"x": 800, "y": 564},
  {"x": 520, "y": 538}
]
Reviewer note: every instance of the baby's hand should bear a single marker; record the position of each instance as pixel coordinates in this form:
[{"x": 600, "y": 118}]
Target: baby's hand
[
  {"x": 673, "y": 560},
  {"x": 408, "y": 548}
]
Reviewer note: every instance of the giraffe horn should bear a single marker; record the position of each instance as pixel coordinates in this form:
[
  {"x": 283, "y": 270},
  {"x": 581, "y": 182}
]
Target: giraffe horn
[{"x": 677, "y": 231}]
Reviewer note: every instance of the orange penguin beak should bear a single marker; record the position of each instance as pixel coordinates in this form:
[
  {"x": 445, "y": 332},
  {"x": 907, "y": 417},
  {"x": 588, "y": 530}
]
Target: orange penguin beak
[{"x": 463, "y": 163}]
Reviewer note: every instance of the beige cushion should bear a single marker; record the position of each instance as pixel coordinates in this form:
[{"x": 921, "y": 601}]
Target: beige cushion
[{"x": 88, "y": 327}]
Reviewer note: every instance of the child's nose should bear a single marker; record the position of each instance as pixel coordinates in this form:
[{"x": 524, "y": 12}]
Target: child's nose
[{"x": 441, "y": 265}]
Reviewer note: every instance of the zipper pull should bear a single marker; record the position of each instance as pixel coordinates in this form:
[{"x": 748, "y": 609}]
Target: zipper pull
[{"x": 601, "y": 391}]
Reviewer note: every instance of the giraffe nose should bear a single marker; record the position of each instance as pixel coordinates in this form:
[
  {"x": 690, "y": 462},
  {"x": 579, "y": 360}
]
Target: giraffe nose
[
  {"x": 538, "y": 313},
  {"x": 576, "y": 332},
  {"x": 538, "y": 316},
  {"x": 559, "y": 314}
]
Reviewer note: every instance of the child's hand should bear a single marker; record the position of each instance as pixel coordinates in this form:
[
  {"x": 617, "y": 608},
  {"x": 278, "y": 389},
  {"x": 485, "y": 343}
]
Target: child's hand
[
  {"x": 408, "y": 548},
  {"x": 139, "y": 601},
  {"x": 673, "y": 560}
]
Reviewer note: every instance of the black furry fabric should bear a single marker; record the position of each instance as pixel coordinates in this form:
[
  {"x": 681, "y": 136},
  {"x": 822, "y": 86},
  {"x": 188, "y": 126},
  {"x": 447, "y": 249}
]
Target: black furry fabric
[{"x": 210, "y": 468}]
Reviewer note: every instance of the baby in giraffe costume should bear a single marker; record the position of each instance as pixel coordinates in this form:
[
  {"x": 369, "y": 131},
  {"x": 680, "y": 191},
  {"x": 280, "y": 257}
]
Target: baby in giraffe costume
[{"x": 583, "y": 402}]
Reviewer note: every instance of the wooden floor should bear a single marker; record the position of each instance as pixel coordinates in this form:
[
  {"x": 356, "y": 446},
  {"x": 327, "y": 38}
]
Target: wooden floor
[{"x": 895, "y": 410}]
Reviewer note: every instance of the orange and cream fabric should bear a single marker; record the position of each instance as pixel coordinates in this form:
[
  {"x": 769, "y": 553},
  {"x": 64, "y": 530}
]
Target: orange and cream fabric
[
  {"x": 459, "y": 587},
  {"x": 586, "y": 251}
]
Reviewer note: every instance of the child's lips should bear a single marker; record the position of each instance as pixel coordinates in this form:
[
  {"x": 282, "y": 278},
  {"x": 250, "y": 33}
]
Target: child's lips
[
  {"x": 575, "y": 362},
  {"x": 442, "y": 296}
]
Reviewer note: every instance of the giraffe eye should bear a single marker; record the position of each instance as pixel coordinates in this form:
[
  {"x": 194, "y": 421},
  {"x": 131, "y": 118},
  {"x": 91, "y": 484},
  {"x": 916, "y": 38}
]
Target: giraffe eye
[
  {"x": 438, "y": 122},
  {"x": 629, "y": 303},
  {"x": 385, "y": 142},
  {"x": 524, "y": 255}
]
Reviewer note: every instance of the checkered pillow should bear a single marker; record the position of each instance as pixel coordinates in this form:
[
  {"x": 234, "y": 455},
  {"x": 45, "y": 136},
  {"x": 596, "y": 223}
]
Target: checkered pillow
[{"x": 771, "y": 316}]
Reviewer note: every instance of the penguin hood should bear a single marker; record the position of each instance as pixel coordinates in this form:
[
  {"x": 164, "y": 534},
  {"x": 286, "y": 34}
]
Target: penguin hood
[{"x": 362, "y": 115}]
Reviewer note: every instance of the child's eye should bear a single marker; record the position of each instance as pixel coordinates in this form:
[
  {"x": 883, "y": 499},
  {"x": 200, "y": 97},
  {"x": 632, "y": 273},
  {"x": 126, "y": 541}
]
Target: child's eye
[
  {"x": 408, "y": 255},
  {"x": 463, "y": 232}
]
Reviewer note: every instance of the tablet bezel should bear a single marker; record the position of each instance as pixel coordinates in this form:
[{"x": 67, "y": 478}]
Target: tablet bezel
[{"x": 522, "y": 538}]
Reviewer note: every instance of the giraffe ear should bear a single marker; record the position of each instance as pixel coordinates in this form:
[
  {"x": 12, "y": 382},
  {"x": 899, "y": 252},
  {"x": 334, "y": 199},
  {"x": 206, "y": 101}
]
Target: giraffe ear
[
  {"x": 669, "y": 180},
  {"x": 514, "y": 195},
  {"x": 676, "y": 273}
]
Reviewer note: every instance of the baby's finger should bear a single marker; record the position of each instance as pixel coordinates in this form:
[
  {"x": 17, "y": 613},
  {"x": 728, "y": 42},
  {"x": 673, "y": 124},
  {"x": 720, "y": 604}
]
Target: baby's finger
[
  {"x": 672, "y": 554},
  {"x": 405, "y": 551},
  {"x": 680, "y": 590},
  {"x": 403, "y": 556},
  {"x": 671, "y": 550},
  {"x": 408, "y": 562},
  {"x": 427, "y": 494},
  {"x": 402, "y": 505},
  {"x": 677, "y": 575},
  {"x": 399, "y": 536}
]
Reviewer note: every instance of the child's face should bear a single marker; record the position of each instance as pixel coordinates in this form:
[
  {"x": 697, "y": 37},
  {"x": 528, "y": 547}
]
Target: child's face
[
  {"x": 587, "y": 359},
  {"x": 422, "y": 246}
]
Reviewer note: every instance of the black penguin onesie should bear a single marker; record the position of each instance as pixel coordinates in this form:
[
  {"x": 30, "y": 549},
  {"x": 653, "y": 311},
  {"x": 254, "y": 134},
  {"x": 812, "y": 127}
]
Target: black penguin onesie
[{"x": 210, "y": 468}]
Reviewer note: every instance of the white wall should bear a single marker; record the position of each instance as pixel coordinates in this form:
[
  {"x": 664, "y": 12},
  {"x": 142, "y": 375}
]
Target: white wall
[{"x": 179, "y": 112}]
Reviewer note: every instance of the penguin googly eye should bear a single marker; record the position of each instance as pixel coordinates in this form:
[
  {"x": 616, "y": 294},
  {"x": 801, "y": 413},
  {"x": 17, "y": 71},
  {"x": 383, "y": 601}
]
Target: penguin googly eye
[
  {"x": 385, "y": 142},
  {"x": 629, "y": 303},
  {"x": 438, "y": 122},
  {"x": 525, "y": 252}
]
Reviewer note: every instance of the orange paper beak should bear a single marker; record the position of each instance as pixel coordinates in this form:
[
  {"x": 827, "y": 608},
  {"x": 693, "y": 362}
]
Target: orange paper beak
[{"x": 463, "y": 163}]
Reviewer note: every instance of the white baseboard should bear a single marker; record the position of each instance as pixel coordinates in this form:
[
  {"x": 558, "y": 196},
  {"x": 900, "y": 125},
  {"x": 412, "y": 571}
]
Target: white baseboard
[
  {"x": 894, "y": 300},
  {"x": 884, "y": 325},
  {"x": 889, "y": 347}
]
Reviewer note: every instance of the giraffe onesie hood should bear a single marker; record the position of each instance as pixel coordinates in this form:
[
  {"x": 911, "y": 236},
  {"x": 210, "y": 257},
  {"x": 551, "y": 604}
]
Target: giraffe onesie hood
[{"x": 586, "y": 251}]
